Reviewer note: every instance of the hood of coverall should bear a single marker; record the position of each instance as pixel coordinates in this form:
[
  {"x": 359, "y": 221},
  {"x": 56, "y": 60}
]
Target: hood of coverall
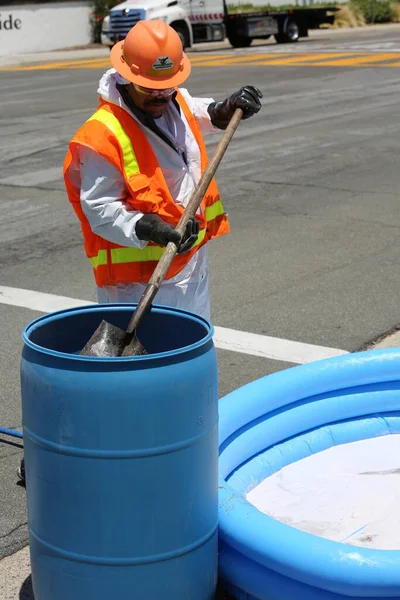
[{"x": 107, "y": 87}]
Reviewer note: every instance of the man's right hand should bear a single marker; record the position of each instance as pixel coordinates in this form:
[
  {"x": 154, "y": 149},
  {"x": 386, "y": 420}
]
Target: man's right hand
[{"x": 152, "y": 228}]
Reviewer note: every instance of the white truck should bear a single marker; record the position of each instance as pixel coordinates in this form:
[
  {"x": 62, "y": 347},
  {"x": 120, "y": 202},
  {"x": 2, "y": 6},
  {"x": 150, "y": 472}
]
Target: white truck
[{"x": 198, "y": 21}]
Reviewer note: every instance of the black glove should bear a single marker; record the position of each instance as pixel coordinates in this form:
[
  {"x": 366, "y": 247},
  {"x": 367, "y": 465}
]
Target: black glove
[
  {"x": 190, "y": 237},
  {"x": 152, "y": 228},
  {"x": 247, "y": 98}
]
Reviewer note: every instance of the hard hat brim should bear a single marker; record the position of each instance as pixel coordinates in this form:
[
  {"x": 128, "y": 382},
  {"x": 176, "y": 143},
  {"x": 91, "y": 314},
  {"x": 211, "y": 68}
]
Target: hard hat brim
[{"x": 156, "y": 83}]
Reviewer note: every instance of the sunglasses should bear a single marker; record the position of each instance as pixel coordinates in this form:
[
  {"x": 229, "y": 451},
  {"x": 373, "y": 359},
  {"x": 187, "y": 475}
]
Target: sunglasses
[{"x": 155, "y": 93}]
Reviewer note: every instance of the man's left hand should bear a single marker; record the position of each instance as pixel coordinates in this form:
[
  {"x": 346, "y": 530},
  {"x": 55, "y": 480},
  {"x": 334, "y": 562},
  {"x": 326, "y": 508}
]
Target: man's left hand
[{"x": 247, "y": 98}]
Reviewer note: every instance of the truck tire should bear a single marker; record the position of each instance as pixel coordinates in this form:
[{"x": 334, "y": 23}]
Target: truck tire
[
  {"x": 239, "y": 41},
  {"x": 181, "y": 30},
  {"x": 290, "y": 35}
]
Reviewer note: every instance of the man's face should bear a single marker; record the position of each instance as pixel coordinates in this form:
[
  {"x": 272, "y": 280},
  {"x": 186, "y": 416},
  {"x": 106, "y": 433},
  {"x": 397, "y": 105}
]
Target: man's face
[{"x": 153, "y": 102}]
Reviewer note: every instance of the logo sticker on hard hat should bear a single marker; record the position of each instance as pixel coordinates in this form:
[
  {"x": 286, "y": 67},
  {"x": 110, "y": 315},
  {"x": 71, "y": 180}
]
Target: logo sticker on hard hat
[{"x": 163, "y": 63}]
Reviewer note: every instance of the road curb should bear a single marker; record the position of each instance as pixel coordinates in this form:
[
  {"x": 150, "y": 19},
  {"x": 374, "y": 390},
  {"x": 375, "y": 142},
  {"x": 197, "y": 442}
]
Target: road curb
[{"x": 390, "y": 339}]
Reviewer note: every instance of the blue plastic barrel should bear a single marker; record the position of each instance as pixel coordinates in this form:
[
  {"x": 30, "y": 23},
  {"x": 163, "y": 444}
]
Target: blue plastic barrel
[{"x": 121, "y": 458}]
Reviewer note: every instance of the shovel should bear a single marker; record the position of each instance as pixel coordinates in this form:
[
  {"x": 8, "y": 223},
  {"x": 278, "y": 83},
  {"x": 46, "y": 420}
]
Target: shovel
[{"x": 109, "y": 340}]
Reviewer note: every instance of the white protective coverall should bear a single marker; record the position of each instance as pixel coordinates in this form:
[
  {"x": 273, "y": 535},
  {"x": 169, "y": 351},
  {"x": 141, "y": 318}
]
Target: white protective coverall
[{"x": 103, "y": 191}]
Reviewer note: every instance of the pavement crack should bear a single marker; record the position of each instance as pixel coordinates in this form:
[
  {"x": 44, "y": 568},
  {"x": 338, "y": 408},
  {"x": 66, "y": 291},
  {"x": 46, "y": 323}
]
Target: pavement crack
[
  {"x": 23, "y": 157},
  {"x": 379, "y": 338},
  {"x": 346, "y": 220},
  {"x": 14, "y": 445},
  {"x": 30, "y": 187},
  {"x": 315, "y": 185},
  {"x": 2, "y": 537},
  {"x": 34, "y": 153}
]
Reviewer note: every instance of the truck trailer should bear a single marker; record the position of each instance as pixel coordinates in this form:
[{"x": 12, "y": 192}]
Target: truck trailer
[{"x": 207, "y": 21}]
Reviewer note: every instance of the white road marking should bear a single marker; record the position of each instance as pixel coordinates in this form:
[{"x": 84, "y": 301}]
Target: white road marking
[
  {"x": 225, "y": 339},
  {"x": 271, "y": 347},
  {"x": 38, "y": 301}
]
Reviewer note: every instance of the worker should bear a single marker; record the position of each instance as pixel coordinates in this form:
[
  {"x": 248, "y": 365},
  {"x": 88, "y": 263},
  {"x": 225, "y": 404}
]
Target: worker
[{"x": 132, "y": 167}]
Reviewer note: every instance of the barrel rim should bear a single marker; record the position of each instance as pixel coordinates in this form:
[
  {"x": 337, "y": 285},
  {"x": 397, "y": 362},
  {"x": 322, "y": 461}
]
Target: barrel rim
[{"x": 57, "y": 315}]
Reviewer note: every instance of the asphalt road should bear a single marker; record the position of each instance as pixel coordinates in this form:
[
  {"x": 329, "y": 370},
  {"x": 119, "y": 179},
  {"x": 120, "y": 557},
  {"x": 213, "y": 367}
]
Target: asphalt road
[{"x": 311, "y": 186}]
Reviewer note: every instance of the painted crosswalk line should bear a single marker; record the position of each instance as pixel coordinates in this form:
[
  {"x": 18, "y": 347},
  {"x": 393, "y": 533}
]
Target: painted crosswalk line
[
  {"x": 233, "y": 340},
  {"x": 253, "y": 58}
]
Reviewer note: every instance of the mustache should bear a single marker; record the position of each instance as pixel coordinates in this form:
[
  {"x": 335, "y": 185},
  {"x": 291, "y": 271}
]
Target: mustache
[{"x": 156, "y": 101}]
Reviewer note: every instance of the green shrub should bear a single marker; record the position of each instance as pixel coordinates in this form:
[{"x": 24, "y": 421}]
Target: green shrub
[
  {"x": 243, "y": 7},
  {"x": 357, "y": 12},
  {"x": 348, "y": 16},
  {"x": 99, "y": 10},
  {"x": 396, "y": 12},
  {"x": 381, "y": 12}
]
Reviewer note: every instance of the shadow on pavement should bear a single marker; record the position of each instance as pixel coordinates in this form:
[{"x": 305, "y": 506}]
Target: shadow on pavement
[
  {"x": 222, "y": 595},
  {"x": 26, "y": 591}
]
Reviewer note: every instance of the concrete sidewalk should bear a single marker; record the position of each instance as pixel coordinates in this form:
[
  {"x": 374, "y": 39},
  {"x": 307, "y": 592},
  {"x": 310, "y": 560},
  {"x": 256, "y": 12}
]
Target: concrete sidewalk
[
  {"x": 93, "y": 52},
  {"x": 15, "y": 576}
]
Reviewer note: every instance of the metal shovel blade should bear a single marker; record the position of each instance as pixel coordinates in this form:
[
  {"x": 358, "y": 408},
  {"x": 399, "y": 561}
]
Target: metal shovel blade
[{"x": 109, "y": 340}]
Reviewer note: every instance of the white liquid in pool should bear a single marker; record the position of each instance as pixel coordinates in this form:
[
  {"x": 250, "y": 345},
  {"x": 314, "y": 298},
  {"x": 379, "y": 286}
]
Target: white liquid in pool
[{"x": 348, "y": 493}]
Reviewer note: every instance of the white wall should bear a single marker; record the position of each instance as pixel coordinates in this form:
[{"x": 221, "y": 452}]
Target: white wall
[{"x": 41, "y": 27}]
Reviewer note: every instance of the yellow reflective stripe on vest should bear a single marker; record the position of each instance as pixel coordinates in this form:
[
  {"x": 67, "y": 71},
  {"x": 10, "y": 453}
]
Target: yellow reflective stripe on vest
[
  {"x": 111, "y": 122},
  {"x": 214, "y": 211},
  {"x": 125, "y": 255},
  {"x": 100, "y": 259},
  {"x": 150, "y": 253}
]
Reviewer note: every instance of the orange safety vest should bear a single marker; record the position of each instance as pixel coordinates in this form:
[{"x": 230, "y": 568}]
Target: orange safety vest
[{"x": 115, "y": 135}]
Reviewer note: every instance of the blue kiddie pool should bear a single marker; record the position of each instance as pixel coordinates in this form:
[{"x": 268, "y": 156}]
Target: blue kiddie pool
[{"x": 297, "y": 419}]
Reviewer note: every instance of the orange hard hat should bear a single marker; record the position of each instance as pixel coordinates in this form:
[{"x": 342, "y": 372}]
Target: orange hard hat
[{"x": 152, "y": 56}]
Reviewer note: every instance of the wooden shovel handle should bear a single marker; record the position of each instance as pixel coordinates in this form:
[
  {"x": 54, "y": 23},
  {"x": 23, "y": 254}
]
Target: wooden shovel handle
[
  {"x": 205, "y": 180},
  {"x": 194, "y": 203}
]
